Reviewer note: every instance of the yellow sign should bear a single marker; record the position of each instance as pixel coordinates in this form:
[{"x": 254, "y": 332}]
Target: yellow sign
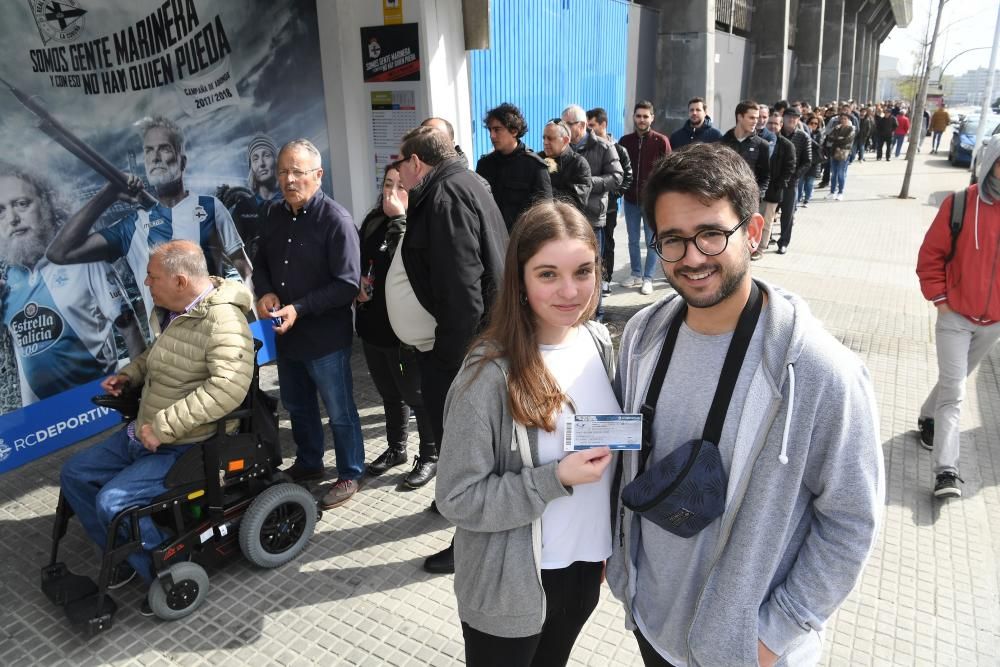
[{"x": 392, "y": 12}]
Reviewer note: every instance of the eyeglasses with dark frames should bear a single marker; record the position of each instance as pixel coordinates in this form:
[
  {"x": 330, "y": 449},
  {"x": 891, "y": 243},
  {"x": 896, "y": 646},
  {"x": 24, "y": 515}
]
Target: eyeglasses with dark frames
[{"x": 709, "y": 242}]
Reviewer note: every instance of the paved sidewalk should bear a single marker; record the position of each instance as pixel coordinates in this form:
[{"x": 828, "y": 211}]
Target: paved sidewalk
[{"x": 357, "y": 596}]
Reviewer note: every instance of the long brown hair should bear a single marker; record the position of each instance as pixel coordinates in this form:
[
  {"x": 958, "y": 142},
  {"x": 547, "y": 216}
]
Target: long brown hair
[{"x": 535, "y": 396}]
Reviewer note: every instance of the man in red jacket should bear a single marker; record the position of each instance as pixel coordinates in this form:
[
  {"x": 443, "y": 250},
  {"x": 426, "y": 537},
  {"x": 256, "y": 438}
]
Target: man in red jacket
[
  {"x": 968, "y": 321},
  {"x": 902, "y": 129},
  {"x": 645, "y": 147}
]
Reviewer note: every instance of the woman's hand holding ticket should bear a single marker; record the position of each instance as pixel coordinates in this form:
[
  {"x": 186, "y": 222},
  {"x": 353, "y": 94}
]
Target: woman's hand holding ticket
[{"x": 583, "y": 467}]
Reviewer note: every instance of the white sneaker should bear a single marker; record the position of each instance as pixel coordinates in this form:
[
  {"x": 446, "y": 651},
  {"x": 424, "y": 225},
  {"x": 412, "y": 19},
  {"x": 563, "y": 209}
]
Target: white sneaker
[
  {"x": 605, "y": 288},
  {"x": 840, "y": 195},
  {"x": 647, "y": 287},
  {"x": 632, "y": 281},
  {"x": 830, "y": 195}
]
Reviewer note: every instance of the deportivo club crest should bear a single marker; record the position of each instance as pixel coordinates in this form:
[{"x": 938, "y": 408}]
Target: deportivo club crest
[
  {"x": 5, "y": 450},
  {"x": 57, "y": 20},
  {"x": 200, "y": 213}
]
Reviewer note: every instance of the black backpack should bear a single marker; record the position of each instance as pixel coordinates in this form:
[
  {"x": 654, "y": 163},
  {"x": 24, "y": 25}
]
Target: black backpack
[{"x": 957, "y": 216}]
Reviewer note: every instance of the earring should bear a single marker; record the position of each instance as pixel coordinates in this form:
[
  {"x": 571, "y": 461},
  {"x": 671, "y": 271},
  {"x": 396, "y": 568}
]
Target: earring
[{"x": 523, "y": 299}]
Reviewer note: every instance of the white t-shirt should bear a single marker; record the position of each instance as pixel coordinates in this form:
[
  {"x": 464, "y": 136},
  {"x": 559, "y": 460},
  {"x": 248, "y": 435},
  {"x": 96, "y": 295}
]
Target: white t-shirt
[
  {"x": 577, "y": 527},
  {"x": 409, "y": 320}
]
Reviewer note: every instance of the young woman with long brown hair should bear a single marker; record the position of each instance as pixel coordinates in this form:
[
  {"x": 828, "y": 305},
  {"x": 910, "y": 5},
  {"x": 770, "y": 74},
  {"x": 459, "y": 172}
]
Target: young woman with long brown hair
[{"x": 532, "y": 520}]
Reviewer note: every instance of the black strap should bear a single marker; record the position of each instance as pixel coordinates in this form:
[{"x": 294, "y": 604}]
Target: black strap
[
  {"x": 957, "y": 218},
  {"x": 738, "y": 346}
]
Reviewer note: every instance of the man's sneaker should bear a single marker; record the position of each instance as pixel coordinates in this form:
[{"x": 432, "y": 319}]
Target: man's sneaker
[
  {"x": 782, "y": 249},
  {"x": 339, "y": 493},
  {"x": 947, "y": 485},
  {"x": 926, "y": 427},
  {"x": 830, "y": 195},
  {"x": 605, "y": 288},
  {"x": 121, "y": 575},
  {"x": 424, "y": 470},
  {"x": 755, "y": 255},
  {"x": 443, "y": 562},
  {"x": 390, "y": 458},
  {"x": 839, "y": 196},
  {"x": 144, "y": 608},
  {"x": 647, "y": 287},
  {"x": 632, "y": 281},
  {"x": 300, "y": 473},
  {"x": 805, "y": 203}
]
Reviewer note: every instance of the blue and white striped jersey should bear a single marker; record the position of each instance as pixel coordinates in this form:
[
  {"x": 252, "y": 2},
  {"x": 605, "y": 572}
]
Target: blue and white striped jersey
[
  {"x": 60, "y": 318},
  {"x": 197, "y": 218}
]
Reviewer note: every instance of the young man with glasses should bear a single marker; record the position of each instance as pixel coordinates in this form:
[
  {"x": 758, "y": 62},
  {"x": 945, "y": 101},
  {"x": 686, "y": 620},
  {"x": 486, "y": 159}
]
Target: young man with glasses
[{"x": 798, "y": 443}]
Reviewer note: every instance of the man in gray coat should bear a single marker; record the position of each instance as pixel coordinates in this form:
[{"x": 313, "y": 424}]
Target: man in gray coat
[{"x": 802, "y": 481}]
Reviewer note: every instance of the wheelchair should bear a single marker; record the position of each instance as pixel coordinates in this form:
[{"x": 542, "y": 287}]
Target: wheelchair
[{"x": 223, "y": 495}]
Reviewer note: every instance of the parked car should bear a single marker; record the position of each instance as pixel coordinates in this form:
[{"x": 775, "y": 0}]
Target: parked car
[
  {"x": 993, "y": 136},
  {"x": 963, "y": 139}
]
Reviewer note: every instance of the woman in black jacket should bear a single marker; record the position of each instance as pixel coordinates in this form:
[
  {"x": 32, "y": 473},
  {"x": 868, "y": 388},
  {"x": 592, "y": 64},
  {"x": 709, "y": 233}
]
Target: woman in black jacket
[{"x": 392, "y": 365}]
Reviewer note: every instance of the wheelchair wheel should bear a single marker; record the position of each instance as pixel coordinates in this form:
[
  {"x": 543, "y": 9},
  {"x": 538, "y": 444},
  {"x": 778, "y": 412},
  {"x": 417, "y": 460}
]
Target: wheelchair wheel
[
  {"x": 277, "y": 525},
  {"x": 189, "y": 591}
]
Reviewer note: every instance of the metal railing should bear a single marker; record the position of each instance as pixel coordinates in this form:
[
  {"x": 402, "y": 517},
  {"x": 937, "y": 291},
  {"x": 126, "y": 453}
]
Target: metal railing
[{"x": 734, "y": 15}]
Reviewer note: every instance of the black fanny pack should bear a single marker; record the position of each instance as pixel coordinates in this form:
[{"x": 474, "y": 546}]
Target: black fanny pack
[{"x": 685, "y": 491}]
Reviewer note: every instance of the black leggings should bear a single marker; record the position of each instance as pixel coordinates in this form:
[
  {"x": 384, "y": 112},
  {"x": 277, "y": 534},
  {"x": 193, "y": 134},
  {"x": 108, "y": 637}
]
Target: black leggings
[
  {"x": 396, "y": 376},
  {"x": 650, "y": 658},
  {"x": 571, "y": 595}
]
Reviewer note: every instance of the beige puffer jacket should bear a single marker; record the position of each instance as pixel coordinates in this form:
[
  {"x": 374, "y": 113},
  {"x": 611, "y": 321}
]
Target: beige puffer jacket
[{"x": 199, "y": 369}]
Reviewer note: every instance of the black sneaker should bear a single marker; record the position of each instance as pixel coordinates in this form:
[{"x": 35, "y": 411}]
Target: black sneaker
[
  {"x": 926, "y": 427},
  {"x": 947, "y": 485},
  {"x": 424, "y": 470},
  {"x": 121, "y": 575},
  {"x": 443, "y": 562},
  {"x": 300, "y": 473},
  {"x": 144, "y": 608},
  {"x": 390, "y": 458}
]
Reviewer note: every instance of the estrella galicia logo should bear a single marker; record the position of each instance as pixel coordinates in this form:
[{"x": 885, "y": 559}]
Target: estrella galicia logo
[
  {"x": 200, "y": 213},
  {"x": 5, "y": 451},
  {"x": 58, "y": 20},
  {"x": 36, "y": 328}
]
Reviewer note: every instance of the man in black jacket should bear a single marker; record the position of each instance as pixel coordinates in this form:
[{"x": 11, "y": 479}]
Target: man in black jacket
[
  {"x": 441, "y": 285},
  {"x": 748, "y": 145},
  {"x": 802, "y": 142},
  {"x": 597, "y": 121},
  {"x": 568, "y": 171},
  {"x": 782, "y": 170},
  {"x": 517, "y": 176}
]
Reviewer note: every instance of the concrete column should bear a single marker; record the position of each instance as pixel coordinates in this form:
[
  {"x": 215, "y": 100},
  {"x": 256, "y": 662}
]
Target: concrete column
[
  {"x": 847, "y": 49},
  {"x": 685, "y": 59},
  {"x": 860, "y": 62},
  {"x": 769, "y": 50},
  {"x": 808, "y": 51},
  {"x": 833, "y": 32},
  {"x": 873, "y": 82}
]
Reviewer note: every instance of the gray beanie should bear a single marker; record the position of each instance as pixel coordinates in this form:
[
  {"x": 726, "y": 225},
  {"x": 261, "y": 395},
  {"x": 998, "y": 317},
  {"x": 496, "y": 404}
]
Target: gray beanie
[{"x": 261, "y": 140}]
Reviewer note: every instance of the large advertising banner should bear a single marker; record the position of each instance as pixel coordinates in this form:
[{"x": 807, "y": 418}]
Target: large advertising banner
[{"x": 125, "y": 124}]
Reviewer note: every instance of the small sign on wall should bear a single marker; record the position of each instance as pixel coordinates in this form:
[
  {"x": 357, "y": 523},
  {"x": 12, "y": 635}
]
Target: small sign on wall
[
  {"x": 392, "y": 12},
  {"x": 391, "y": 52}
]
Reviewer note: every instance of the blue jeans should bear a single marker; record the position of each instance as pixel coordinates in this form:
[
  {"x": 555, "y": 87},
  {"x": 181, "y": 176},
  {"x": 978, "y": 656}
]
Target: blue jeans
[
  {"x": 838, "y": 171},
  {"x": 806, "y": 188},
  {"x": 936, "y": 140},
  {"x": 633, "y": 219},
  {"x": 113, "y": 475},
  {"x": 330, "y": 375},
  {"x": 899, "y": 142}
]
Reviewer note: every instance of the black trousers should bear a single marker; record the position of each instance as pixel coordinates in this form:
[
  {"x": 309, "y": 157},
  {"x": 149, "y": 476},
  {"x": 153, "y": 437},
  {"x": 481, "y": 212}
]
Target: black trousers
[
  {"x": 788, "y": 198},
  {"x": 435, "y": 381},
  {"x": 571, "y": 595},
  {"x": 396, "y": 376},
  {"x": 650, "y": 658},
  {"x": 883, "y": 141},
  {"x": 608, "y": 256}
]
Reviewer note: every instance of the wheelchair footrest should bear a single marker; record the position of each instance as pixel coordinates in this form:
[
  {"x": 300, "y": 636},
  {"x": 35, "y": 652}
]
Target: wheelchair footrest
[
  {"x": 84, "y": 612},
  {"x": 62, "y": 586}
]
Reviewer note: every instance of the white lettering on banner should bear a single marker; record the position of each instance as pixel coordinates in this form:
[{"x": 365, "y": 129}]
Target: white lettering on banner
[
  {"x": 204, "y": 94},
  {"x": 54, "y": 430}
]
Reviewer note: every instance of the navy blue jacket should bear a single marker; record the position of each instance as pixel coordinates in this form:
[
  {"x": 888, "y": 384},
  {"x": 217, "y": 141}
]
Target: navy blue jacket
[
  {"x": 312, "y": 261},
  {"x": 705, "y": 134}
]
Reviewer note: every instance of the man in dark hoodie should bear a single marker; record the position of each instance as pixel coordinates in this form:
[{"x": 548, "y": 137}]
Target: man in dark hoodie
[
  {"x": 443, "y": 280},
  {"x": 517, "y": 176},
  {"x": 792, "y": 130},
  {"x": 697, "y": 129},
  {"x": 748, "y": 145}
]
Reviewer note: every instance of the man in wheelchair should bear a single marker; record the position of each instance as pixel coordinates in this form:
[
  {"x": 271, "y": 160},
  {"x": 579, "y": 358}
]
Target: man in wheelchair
[{"x": 197, "y": 370}]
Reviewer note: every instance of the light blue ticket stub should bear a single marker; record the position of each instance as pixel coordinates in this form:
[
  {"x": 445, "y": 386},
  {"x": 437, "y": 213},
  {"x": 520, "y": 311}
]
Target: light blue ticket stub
[{"x": 620, "y": 432}]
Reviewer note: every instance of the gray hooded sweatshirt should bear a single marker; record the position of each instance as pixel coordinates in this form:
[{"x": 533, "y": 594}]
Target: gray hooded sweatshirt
[
  {"x": 804, "y": 497},
  {"x": 489, "y": 486}
]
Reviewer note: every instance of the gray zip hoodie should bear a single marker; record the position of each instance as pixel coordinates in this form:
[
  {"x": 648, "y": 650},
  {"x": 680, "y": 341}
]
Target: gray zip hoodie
[
  {"x": 805, "y": 491},
  {"x": 489, "y": 486}
]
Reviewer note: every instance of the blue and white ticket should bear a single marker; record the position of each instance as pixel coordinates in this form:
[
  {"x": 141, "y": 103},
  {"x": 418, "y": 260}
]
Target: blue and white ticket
[{"x": 619, "y": 432}]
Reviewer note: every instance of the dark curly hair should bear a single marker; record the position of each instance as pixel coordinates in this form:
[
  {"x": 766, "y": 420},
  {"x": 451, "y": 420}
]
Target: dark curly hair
[{"x": 510, "y": 117}]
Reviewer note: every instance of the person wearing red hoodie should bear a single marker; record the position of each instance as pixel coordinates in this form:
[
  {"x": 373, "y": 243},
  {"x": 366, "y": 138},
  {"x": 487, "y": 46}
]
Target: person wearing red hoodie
[
  {"x": 902, "y": 129},
  {"x": 968, "y": 320}
]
